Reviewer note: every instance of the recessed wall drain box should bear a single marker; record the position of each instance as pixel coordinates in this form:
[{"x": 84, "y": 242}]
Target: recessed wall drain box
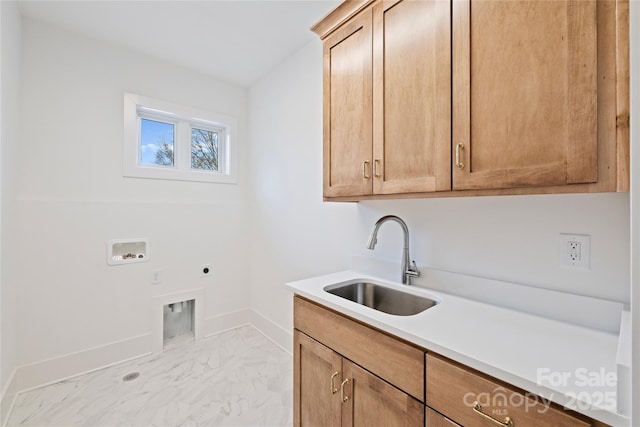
[{"x": 127, "y": 251}]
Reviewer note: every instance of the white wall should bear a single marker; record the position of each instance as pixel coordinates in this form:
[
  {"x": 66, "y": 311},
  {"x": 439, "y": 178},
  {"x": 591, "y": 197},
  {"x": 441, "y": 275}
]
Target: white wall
[
  {"x": 9, "y": 118},
  {"x": 293, "y": 233},
  {"x": 73, "y": 198},
  {"x": 512, "y": 238}
]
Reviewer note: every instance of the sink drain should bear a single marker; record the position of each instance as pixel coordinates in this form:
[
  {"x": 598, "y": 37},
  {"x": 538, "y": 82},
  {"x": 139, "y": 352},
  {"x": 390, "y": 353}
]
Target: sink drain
[{"x": 130, "y": 377}]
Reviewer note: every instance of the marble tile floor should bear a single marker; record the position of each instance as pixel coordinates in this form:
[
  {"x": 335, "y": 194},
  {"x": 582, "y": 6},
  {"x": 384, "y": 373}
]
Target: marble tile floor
[{"x": 237, "y": 378}]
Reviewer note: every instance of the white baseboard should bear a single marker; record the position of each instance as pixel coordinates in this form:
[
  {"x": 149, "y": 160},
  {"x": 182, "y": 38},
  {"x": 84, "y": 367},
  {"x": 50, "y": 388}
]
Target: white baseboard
[
  {"x": 225, "y": 322},
  {"x": 281, "y": 337},
  {"x": 8, "y": 398},
  {"x": 39, "y": 374}
]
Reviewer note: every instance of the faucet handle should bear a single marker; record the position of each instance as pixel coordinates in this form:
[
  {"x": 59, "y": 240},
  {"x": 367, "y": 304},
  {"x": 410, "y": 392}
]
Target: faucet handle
[{"x": 413, "y": 270}]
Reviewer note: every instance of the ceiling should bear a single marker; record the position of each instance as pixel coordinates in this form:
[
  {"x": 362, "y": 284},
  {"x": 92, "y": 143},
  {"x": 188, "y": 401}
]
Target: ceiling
[{"x": 233, "y": 40}]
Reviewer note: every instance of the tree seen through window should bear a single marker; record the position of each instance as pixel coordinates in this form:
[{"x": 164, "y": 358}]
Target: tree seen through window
[{"x": 204, "y": 149}]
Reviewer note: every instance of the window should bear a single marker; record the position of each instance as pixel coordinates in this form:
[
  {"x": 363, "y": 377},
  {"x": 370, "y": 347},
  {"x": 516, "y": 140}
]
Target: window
[
  {"x": 204, "y": 149},
  {"x": 167, "y": 141},
  {"x": 156, "y": 143}
]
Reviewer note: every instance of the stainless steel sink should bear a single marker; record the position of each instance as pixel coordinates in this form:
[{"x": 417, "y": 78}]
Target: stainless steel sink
[{"x": 381, "y": 298}]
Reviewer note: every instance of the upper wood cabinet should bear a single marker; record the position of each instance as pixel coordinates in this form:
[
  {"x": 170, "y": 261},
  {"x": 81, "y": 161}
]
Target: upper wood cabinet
[
  {"x": 348, "y": 108},
  {"x": 437, "y": 98},
  {"x": 525, "y": 93},
  {"x": 411, "y": 96},
  {"x": 387, "y": 101}
]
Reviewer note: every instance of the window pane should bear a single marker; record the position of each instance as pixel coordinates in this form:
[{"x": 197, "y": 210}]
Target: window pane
[
  {"x": 204, "y": 149},
  {"x": 156, "y": 143}
]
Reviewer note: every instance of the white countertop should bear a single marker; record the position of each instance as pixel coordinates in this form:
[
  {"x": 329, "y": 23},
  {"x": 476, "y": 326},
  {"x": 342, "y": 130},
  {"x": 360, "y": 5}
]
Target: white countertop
[{"x": 525, "y": 350}]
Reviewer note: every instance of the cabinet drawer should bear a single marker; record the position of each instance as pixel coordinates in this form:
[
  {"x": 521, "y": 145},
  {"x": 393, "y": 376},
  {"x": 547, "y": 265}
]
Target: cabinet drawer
[
  {"x": 452, "y": 390},
  {"x": 395, "y": 361},
  {"x": 434, "y": 419}
]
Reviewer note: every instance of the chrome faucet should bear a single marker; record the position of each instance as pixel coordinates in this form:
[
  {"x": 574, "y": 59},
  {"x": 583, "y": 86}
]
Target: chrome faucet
[{"x": 408, "y": 271}]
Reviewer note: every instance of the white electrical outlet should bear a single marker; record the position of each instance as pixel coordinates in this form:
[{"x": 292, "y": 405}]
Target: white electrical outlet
[
  {"x": 575, "y": 251},
  {"x": 206, "y": 270},
  {"x": 156, "y": 277}
]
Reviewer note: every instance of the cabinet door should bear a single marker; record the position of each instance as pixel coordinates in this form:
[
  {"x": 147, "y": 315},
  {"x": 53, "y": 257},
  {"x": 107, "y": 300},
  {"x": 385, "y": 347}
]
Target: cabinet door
[
  {"x": 524, "y": 93},
  {"x": 373, "y": 402},
  {"x": 317, "y": 376},
  {"x": 412, "y": 96},
  {"x": 348, "y": 109}
]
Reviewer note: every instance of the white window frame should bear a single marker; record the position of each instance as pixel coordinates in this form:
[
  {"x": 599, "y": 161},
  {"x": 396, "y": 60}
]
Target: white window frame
[{"x": 137, "y": 107}]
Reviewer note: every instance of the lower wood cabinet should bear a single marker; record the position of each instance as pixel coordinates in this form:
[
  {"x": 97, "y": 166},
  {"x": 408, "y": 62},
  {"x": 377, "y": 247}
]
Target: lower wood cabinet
[
  {"x": 395, "y": 361},
  {"x": 374, "y": 402},
  {"x": 317, "y": 379},
  {"x": 349, "y": 374},
  {"x": 333, "y": 391},
  {"x": 471, "y": 399},
  {"x": 435, "y": 419}
]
